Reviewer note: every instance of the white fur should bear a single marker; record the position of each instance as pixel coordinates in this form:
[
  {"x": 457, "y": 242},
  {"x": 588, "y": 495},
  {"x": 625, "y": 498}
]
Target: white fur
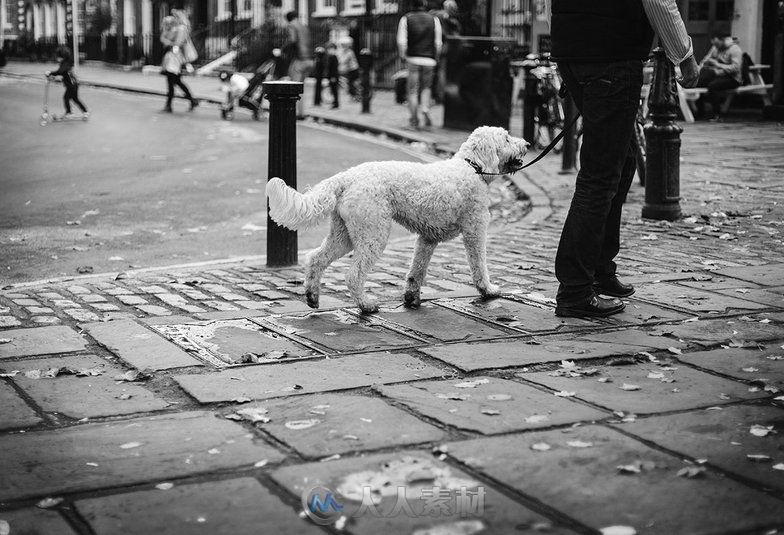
[{"x": 438, "y": 201}]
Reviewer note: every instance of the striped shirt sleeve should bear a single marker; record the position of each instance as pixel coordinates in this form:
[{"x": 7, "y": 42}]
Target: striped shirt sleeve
[{"x": 668, "y": 25}]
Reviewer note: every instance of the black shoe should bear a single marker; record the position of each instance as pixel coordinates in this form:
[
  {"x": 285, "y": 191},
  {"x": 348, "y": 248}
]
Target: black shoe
[
  {"x": 612, "y": 286},
  {"x": 593, "y": 307},
  {"x": 194, "y": 103}
]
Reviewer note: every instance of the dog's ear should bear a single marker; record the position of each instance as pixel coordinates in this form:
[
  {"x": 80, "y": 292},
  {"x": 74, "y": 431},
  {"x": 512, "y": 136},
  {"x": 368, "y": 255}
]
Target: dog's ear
[{"x": 483, "y": 147}]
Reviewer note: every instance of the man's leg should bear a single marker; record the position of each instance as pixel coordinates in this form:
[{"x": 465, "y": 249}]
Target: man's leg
[
  {"x": 413, "y": 85},
  {"x": 715, "y": 88},
  {"x": 608, "y": 97},
  {"x": 75, "y": 98},
  {"x": 426, "y": 85}
]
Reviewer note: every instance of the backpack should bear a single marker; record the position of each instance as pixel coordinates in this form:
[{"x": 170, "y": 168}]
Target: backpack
[{"x": 745, "y": 63}]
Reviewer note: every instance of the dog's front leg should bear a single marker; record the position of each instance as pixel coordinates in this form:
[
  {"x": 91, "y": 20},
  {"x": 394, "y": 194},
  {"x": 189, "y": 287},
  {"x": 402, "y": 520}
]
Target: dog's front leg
[
  {"x": 475, "y": 242},
  {"x": 416, "y": 275}
]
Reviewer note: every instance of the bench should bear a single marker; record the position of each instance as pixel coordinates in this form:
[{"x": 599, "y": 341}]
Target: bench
[{"x": 757, "y": 86}]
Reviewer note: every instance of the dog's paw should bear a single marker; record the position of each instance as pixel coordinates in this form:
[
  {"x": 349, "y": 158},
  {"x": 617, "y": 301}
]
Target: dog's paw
[
  {"x": 312, "y": 299},
  {"x": 368, "y": 306},
  {"x": 411, "y": 299},
  {"x": 492, "y": 290}
]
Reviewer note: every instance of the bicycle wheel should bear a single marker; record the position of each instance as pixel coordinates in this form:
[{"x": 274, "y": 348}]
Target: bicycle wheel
[{"x": 639, "y": 150}]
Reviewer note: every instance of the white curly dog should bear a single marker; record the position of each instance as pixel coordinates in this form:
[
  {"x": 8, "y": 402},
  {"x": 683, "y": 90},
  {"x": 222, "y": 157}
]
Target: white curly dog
[{"x": 436, "y": 200}]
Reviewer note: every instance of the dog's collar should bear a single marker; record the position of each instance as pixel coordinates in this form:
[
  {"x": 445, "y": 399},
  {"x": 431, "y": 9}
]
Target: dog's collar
[{"x": 478, "y": 168}]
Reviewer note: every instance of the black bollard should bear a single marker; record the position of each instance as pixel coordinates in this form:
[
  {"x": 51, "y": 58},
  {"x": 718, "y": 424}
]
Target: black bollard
[
  {"x": 569, "y": 155},
  {"x": 366, "y": 66},
  {"x": 663, "y": 144},
  {"x": 282, "y": 163}
]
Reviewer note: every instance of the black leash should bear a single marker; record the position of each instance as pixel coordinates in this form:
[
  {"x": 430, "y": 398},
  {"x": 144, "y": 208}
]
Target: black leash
[{"x": 544, "y": 153}]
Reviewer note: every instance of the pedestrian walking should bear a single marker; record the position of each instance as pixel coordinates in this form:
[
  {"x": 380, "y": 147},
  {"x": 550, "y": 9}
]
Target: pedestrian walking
[
  {"x": 720, "y": 70},
  {"x": 348, "y": 66},
  {"x": 332, "y": 72},
  {"x": 298, "y": 49},
  {"x": 604, "y": 77},
  {"x": 419, "y": 43},
  {"x": 450, "y": 27},
  {"x": 175, "y": 36},
  {"x": 71, "y": 84}
]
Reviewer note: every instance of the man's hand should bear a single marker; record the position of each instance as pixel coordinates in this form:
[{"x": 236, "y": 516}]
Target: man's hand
[{"x": 690, "y": 72}]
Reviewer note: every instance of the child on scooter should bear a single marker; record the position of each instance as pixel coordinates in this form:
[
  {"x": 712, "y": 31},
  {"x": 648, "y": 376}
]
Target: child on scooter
[{"x": 69, "y": 81}]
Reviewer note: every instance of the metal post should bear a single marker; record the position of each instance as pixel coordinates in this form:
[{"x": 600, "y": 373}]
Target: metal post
[
  {"x": 529, "y": 104},
  {"x": 366, "y": 65},
  {"x": 663, "y": 144},
  {"x": 282, "y": 163},
  {"x": 569, "y": 155},
  {"x": 75, "y": 32}
]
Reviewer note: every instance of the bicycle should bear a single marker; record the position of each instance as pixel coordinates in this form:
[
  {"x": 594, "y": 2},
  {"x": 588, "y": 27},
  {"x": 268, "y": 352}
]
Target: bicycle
[{"x": 549, "y": 114}]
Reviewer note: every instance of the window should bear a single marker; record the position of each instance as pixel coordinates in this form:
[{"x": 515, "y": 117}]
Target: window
[
  {"x": 353, "y": 7},
  {"x": 326, "y": 8}
]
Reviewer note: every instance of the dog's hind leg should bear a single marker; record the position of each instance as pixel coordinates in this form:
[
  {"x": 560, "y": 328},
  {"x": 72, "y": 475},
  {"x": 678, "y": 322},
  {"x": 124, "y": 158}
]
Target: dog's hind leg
[
  {"x": 335, "y": 245},
  {"x": 369, "y": 239},
  {"x": 416, "y": 275},
  {"x": 475, "y": 242}
]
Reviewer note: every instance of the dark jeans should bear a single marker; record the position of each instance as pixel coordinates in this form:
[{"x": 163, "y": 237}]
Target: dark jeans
[
  {"x": 172, "y": 80},
  {"x": 72, "y": 93},
  {"x": 716, "y": 83},
  {"x": 607, "y": 95},
  {"x": 333, "y": 87}
]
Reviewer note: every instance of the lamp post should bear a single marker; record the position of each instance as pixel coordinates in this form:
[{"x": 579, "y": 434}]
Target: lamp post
[{"x": 663, "y": 144}]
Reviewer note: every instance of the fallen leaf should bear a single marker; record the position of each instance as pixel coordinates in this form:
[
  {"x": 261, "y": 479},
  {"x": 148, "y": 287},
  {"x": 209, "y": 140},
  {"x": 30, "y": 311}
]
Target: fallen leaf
[
  {"x": 656, "y": 375},
  {"x": 164, "y": 486},
  {"x": 779, "y": 466},
  {"x": 758, "y": 458},
  {"x": 750, "y": 369},
  {"x": 124, "y": 397},
  {"x": 674, "y": 350},
  {"x": 472, "y": 384},
  {"x": 536, "y": 419},
  {"x": 47, "y": 503},
  {"x": 298, "y": 425},
  {"x": 129, "y": 445},
  {"x": 5, "y": 340},
  {"x": 259, "y": 464},
  {"x": 253, "y": 414},
  {"x": 579, "y": 444},
  {"x": 691, "y": 472},
  {"x": 241, "y": 399},
  {"x": 5, "y": 527},
  {"x": 540, "y": 446},
  {"x": 84, "y": 269},
  {"x": 213, "y": 451},
  {"x": 618, "y": 530},
  {"x": 564, "y": 394},
  {"x": 629, "y": 387},
  {"x": 499, "y": 397},
  {"x": 491, "y": 412},
  {"x": 132, "y": 376},
  {"x": 760, "y": 430}
]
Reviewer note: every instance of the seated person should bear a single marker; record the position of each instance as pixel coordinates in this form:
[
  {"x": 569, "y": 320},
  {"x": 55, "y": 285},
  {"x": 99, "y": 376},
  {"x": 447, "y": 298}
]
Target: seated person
[{"x": 720, "y": 70}]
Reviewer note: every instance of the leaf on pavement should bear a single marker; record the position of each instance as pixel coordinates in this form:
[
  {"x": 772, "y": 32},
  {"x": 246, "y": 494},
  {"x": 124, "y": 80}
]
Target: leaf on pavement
[
  {"x": 758, "y": 458},
  {"x": 564, "y": 394},
  {"x": 629, "y": 387},
  {"x": 298, "y": 425},
  {"x": 691, "y": 472},
  {"x": 579, "y": 444},
  {"x": 47, "y": 503},
  {"x": 618, "y": 530},
  {"x": 761, "y": 430},
  {"x": 540, "y": 446}
]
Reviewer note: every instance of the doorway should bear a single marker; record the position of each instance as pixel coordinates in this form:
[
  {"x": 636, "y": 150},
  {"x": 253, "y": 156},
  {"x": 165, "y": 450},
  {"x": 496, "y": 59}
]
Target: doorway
[{"x": 703, "y": 17}]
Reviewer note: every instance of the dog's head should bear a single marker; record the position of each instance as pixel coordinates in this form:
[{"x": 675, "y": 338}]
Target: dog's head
[{"x": 492, "y": 150}]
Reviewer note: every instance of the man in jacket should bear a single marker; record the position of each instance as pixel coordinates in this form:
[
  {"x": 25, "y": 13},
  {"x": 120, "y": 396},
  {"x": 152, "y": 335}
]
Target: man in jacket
[
  {"x": 599, "y": 47},
  {"x": 419, "y": 44},
  {"x": 720, "y": 70},
  {"x": 300, "y": 52}
]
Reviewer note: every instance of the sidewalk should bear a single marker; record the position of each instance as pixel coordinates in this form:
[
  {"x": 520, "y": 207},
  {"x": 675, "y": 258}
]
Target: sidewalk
[{"x": 214, "y": 397}]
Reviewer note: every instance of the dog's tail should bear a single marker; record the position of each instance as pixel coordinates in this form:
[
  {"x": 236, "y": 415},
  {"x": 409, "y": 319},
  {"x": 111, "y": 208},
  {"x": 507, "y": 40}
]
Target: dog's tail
[{"x": 297, "y": 211}]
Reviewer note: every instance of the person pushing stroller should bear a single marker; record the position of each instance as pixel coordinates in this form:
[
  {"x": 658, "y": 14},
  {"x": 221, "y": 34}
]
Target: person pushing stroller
[
  {"x": 65, "y": 69},
  {"x": 248, "y": 93}
]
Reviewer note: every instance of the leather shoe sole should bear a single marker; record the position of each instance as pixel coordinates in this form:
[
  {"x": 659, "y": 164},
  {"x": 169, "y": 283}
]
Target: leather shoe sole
[{"x": 595, "y": 307}]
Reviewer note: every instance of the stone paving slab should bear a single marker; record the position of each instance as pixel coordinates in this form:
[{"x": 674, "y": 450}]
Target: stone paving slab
[
  {"x": 765, "y": 297},
  {"x": 763, "y": 365},
  {"x": 223, "y": 342},
  {"x": 15, "y": 413},
  {"x": 139, "y": 346},
  {"x": 125, "y": 452},
  {"x": 507, "y": 354},
  {"x": 323, "y": 425},
  {"x": 724, "y": 438},
  {"x": 658, "y": 389},
  {"x": 40, "y": 341},
  {"x": 276, "y": 380},
  {"x": 340, "y": 331},
  {"x": 644, "y": 340},
  {"x": 765, "y": 275},
  {"x": 516, "y": 315},
  {"x": 722, "y": 331},
  {"x": 34, "y": 521},
  {"x": 440, "y": 323},
  {"x": 692, "y": 299},
  {"x": 416, "y": 472},
  {"x": 584, "y": 483},
  {"x": 490, "y": 405},
  {"x": 640, "y": 312},
  {"x": 83, "y": 396},
  {"x": 239, "y": 506}
]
